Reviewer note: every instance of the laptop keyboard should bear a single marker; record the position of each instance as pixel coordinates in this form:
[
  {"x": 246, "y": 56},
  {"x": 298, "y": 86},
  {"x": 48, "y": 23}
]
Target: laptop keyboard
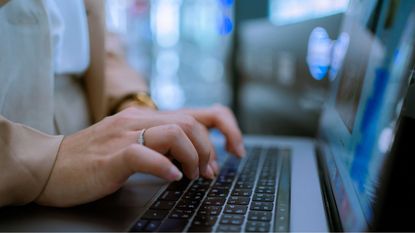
[{"x": 249, "y": 195}]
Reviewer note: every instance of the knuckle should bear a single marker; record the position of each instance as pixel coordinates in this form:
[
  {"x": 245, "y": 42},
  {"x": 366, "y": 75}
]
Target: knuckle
[
  {"x": 128, "y": 111},
  {"x": 188, "y": 123},
  {"x": 174, "y": 131},
  {"x": 121, "y": 119},
  {"x": 221, "y": 109}
]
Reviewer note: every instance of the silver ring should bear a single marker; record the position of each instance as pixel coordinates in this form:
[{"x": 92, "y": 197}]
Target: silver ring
[{"x": 140, "y": 139}]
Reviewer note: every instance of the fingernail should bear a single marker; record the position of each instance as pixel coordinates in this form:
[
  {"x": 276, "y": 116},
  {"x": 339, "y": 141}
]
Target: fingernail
[
  {"x": 215, "y": 167},
  {"x": 241, "y": 150},
  {"x": 196, "y": 173},
  {"x": 209, "y": 172},
  {"x": 175, "y": 174}
]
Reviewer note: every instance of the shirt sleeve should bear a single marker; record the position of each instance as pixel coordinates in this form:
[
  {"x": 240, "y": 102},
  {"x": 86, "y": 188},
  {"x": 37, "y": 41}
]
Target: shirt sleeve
[{"x": 27, "y": 157}]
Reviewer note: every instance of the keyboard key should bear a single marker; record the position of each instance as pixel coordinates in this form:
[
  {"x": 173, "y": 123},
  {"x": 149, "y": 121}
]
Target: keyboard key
[
  {"x": 266, "y": 182},
  {"x": 217, "y": 201},
  {"x": 244, "y": 186},
  {"x": 210, "y": 207},
  {"x": 242, "y": 192},
  {"x": 218, "y": 192},
  {"x": 209, "y": 210},
  {"x": 251, "y": 183},
  {"x": 265, "y": 189},
  {"x": 181, "y": 214},
  {"x": 263, "y": 216},
  {"x": 252, "y": 226},
  {"x": 238, "y": 200},
  {"x": 155, "y": 214},
  {"x": 187, "y": 205},
  {"x": 193, "y": 196},
  {"x": 229, "y": 228},
  {"x": 264, "y": 197},
  {"x": 232, "y": 219},
  {"x": 204, "y": 220},
  {"x": 224, "y": 179},
  {"x": 224, "y": 185},
  {"x": 249, "y": 179},
  {"x": 152, "y": 225},
  {"x": 199, "y": 188},
  {"x": 265, "y": 206},
  {"x": 139, "y": 225},
  {"x": 173, "y": 225},
  {"x": 163, "y": 205},
  {"x": 203, "y": 181},
  {"x": 235, "y": 209},
  {"x": 189, "y": 201},
  {"x": 270, "y": 183},
  {"x": 170, "y": 195},
  {"x": 180, "y": 185}
]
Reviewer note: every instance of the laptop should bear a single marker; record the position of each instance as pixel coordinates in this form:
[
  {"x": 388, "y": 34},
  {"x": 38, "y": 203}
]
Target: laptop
[{"x": 329, "y": 183}]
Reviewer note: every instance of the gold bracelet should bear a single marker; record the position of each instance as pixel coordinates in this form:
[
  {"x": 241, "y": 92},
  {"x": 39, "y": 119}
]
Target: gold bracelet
[{"x": 139, "y": 98}]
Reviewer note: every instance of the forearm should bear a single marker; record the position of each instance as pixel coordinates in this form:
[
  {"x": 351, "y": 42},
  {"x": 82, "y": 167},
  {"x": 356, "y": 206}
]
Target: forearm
[
  {"x": 109, "y": 77},
  {"x": 121, "y": 79},
  {"x": 27, "y": 157}
]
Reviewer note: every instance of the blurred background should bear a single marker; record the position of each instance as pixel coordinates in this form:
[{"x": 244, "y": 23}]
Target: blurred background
[{"x": 248, "y": 55}]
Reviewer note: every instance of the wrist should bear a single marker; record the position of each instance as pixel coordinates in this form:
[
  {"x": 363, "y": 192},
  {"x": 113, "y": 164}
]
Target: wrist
[
  {"x": 133, "y": 104},
  {"x": 140, "y": 100}
]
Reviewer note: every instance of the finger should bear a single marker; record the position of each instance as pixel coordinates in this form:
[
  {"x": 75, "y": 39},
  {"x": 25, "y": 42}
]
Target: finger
[
  {"x": 213, "y": 163},
  {"x": 202, "y": 141},
  {"x": 223, "y": 119},
  {"x": 137, "y": 158},
  {"x": 212, "y": 160},
  {"x": 215, "y": 166},
  {"x": 197, "y": 135},
  {"x": 171, "y": 139},
  {"x": 192, "y": 128}
]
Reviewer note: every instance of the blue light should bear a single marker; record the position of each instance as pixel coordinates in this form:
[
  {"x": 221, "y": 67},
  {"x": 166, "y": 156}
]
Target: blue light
[
  {"x": 227, "y": 3},
  {"x": 226, "y": 26},
  {"x": 318, "y": 71},
  {"x": 319, "y": 52}
]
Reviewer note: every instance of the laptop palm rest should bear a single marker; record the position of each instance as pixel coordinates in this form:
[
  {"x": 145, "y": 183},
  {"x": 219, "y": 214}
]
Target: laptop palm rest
[{"x": 113, "y": 213}]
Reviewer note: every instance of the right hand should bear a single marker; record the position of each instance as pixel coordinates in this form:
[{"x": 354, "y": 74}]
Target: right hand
[{"x": 95, "y": 162}]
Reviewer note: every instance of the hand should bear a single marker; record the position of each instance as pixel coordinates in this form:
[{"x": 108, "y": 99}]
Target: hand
[
  {"x": 195, "y": 123},
  {"x": 96, "y": 162}
]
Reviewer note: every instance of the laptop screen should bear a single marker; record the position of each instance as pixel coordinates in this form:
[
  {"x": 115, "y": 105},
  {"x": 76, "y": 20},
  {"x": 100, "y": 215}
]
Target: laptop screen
[{"x": 358, "y": 123}]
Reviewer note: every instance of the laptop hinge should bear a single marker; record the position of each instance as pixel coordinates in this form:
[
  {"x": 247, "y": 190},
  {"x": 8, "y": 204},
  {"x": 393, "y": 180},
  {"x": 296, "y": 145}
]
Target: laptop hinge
[{"x": 330, "y": 206}]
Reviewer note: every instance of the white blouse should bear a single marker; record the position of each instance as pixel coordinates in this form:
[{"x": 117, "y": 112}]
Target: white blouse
[{"x": 69, "y": 32}]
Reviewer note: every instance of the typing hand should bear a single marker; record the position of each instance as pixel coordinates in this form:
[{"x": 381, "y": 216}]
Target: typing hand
[{"x": 95, "y": 162}]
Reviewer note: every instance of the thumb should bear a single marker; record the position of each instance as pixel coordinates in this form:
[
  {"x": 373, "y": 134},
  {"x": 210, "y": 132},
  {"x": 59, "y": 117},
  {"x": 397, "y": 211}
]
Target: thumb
[{"x": 138, "y": 158}]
